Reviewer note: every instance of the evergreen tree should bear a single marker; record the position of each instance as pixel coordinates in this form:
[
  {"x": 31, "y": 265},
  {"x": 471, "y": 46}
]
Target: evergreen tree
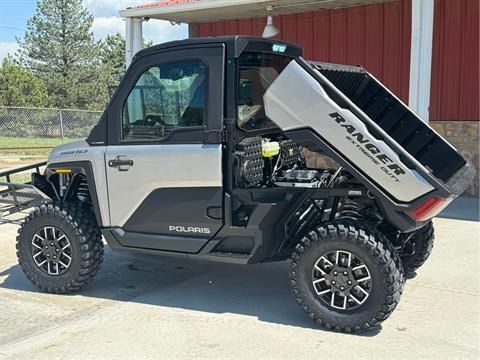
[
  {"x": 113, "y": 57},
  {"x": 59, "y": 48},
  {"x": 19, "y": 87}
]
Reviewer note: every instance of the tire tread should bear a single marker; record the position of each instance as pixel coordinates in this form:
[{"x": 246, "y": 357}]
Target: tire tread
[
  {"x": 86, "y": 232},
  {"x": 426, "y": 236},
  {"x": 384, "y": 253}
]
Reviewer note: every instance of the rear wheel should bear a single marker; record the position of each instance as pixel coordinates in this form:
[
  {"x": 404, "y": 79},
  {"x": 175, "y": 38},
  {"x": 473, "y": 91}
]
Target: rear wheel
[
  {"x": 344, "y": 278},
  {"x": 418, "y": 249},
  {"x": 59, "y": 247}
]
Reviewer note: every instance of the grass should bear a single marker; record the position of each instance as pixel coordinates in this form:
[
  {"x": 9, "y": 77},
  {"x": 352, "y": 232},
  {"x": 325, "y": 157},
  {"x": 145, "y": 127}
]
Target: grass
[
  {"x": 18, "y": 178},
  {"x": 29, "y": 146}
]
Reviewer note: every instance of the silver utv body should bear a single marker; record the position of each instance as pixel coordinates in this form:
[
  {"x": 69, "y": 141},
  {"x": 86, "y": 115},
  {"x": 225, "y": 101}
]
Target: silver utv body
[{"x": 120, "y": 193}]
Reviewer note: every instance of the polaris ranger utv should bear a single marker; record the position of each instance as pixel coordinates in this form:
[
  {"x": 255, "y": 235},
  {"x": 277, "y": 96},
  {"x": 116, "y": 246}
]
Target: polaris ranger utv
[{"x": 201, "y": 153}]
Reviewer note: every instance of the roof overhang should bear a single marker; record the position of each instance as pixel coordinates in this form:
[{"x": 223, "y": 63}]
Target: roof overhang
[{"x": 198, "y": 11}]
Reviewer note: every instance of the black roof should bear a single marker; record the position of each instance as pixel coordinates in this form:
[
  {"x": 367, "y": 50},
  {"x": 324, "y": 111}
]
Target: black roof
[{"x": 235, "y": 44}]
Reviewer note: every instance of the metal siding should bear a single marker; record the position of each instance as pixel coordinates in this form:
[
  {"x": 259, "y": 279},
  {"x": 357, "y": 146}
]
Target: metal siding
[
  {"x": 305, "y": 25},
  {"x": 356, "y": 35},
  {"x": 455, "y": 66},
  {"x": 231, "y": 28},
  {"x": 218, "y": 27},
  {"x": 203, "y": 30},
  {"x": 374, "y": 36},
  {"x": 338, "y": 35}
]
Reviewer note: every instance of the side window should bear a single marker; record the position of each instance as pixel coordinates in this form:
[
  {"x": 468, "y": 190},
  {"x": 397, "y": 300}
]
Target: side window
[
  {"x": 257, "y": 71},
  {"x": 165, "y": 97}
]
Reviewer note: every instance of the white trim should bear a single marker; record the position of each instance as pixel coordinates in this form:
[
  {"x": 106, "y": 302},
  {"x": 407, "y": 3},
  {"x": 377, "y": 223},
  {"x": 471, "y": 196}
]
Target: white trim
[
  {"x": 194, "y": 11},
  {"x": 186, "y": 6},
  {"x": 133, "y": 38},
  {"x": 421, "y": 57},
  {"x": 128, "y": 40},
  {"x": 137, "y": 39}
]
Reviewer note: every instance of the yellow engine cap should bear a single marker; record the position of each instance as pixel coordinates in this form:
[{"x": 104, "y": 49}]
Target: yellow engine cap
[{"x": 270, "y": 149}]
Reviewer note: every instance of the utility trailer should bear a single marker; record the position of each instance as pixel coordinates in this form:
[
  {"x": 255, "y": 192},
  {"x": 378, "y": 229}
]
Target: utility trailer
[
  {"x": 16, "y": 197},
  {"x": 201, "y": 153}
]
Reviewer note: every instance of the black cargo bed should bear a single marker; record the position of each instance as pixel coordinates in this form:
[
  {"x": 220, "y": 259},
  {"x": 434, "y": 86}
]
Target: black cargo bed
[{"x": 396, "y": 119}]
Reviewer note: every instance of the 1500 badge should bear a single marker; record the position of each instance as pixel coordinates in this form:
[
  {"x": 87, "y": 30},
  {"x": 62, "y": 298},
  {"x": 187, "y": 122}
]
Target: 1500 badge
[
  {"x": 73, "y": 152},
  {"x": 369, "y": 149}
]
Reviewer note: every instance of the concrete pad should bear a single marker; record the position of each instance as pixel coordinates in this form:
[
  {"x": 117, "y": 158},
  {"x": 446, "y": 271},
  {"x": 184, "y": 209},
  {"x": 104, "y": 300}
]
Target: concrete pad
[{"x": 151, "y": 307}]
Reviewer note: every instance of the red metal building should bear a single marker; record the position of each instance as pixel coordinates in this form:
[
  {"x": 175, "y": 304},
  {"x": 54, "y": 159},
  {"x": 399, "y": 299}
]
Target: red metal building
[
  {"x": 375, "y": 36},
  {"x": 378, "y": 37}
]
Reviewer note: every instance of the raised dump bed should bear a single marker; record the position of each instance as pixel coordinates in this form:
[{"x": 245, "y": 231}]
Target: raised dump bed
[
  {"x": 396, "y": 119},
  {"x": 346, "y": 112}
]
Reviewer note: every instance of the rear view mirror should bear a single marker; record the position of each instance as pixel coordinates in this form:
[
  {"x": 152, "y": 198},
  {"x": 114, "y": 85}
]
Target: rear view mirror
[
  {"x": 179, "y": 71},
  {"x": 175, "y": 72}
]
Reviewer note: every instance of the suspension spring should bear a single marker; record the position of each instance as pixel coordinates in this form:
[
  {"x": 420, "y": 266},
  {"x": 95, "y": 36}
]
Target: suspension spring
[
  {"x": 83, "y": 191},
  {"x": 349, "y": 209}
]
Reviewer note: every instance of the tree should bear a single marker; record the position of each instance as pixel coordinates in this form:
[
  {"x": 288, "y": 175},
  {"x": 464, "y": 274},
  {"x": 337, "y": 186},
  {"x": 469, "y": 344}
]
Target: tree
[
  {"x": 59, "y": 48},
  {"x": 113, "y": 57},
  {"x": 19, "y": 87}
]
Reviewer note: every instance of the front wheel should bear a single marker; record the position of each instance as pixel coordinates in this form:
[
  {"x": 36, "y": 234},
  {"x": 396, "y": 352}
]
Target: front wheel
[
  {"x": 344, "y": 278},
  {"x": 59, "y": 247}
]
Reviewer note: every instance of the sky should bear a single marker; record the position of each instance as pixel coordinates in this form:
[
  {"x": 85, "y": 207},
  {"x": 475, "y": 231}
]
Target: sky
[{"x": 15, "y": 13}]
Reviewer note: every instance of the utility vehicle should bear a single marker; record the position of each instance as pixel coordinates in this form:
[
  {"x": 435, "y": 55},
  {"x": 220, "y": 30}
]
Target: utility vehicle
[{"x": 205, "y": 151}]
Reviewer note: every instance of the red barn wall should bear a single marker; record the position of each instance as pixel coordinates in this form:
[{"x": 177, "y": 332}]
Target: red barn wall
[
  {"x": 378, "y": 37},
  {"x": 455, "y": 75},
  {"x": 454, "y": 96},
  {"x": 374, "y": 36}
]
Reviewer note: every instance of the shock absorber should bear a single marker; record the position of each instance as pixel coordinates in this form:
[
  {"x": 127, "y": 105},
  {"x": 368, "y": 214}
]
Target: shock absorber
[
  {"x": 349, "y": 209},
  {"x": 83, "y": 191}
]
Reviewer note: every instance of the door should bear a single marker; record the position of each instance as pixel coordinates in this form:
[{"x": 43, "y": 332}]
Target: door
[{"x": 164, "y": 158}]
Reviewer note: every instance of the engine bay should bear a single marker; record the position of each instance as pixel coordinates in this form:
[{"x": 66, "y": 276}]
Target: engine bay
[{"x": 265, "y": 162}]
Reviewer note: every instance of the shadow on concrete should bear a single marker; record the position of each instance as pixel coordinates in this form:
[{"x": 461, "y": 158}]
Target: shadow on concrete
[
  {"x": 15, "y": 219},
  {"x": 463, "y": 208},
  {"x": 8, "y": 221},
  {"x": 261, "y": 290}
]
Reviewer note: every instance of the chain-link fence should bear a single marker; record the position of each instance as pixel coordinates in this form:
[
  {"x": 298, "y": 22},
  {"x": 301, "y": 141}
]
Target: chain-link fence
[{"x": 31, "y": 133}]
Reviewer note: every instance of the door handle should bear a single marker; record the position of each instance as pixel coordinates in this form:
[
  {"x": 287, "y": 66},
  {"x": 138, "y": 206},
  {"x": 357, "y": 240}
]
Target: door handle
[{"x": 121, "y": 162}]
